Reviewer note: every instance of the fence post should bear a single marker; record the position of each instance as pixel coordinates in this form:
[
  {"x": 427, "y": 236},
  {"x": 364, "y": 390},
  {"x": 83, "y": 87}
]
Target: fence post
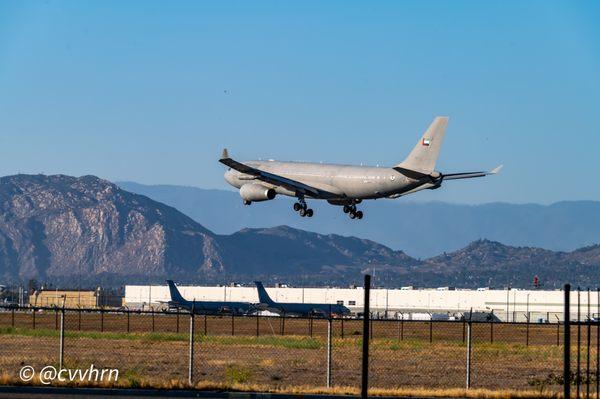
[
  {"x": 55, "y": 317},
  {"x": 578, "y": 377},
  {"x": 232, "y": 323},
  {"x": 205, "y": 326},
  {"x": 492, "y": 330},
  {"x": 329, "y": 345},
  {"x": 469, "y": 350},
  {"x": 364, "y": 392},
  {"x": 13, "y": 318},
  {"x": 283, "y": 324},
  {"x": 257, "y": 327},
  {"x": 191, "y": 357},
  {"x": 430, "y": 328},
  {"x": 342, "y": 327},
  {"x": 78, "y": 318},
  {"x": 588, "y": 342},
  {"x": 557, "y": 330},
  {"x": 177, "y": 319},
  {"x": 527, "y": 330},
  {"x": 101, "y": 320},
  {"x": 598, "y": 344},
  {"x": 62, "y": 338},
  {"x": 33, "y": 317},
  {"x": 567, "y": 343}
]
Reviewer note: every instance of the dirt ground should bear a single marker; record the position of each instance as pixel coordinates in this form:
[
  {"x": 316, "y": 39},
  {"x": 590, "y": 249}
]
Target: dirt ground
[{"x": 403, "y": 354}]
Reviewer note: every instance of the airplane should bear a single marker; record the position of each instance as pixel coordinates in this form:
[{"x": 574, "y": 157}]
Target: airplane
[
  {"x": 297, "y": 309},
  {"x": 206, "y": 307},
  {"x": 344, "y": 185}
]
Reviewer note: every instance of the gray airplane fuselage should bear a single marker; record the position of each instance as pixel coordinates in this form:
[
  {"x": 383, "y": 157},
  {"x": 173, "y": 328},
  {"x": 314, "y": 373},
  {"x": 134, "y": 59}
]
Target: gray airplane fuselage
[{"x": 343, "y": 181}]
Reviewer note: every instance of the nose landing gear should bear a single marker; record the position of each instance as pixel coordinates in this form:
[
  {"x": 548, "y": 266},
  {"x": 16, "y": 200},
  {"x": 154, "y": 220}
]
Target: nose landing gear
[{"x": 302, "y": 208}]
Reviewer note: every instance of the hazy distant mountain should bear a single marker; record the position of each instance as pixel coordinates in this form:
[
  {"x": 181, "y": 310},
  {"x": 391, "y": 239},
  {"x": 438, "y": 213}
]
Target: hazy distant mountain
[
  {"x": 88, "y": 231},
  {"x": 419, "y": 229}
]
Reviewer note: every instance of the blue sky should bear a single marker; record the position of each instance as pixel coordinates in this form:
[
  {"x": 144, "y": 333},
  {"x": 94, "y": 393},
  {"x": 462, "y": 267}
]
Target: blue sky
[{"x": 152, "y": 91}]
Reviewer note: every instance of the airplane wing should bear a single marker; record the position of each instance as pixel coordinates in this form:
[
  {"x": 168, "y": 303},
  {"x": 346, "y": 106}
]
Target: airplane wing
[
  {"x": 276, "y": 180},
  {"x": 470, "y": 175}
]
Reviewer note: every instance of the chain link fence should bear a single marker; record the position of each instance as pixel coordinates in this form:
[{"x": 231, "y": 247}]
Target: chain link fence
[{"x": 159, "y": 347}]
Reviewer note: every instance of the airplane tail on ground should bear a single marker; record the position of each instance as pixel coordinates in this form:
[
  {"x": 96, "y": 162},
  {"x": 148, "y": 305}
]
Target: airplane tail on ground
[
  {"x": 175, "y": 295},
  {"x": 263, "y": 297},
  {"x": 424, "y": 155}
]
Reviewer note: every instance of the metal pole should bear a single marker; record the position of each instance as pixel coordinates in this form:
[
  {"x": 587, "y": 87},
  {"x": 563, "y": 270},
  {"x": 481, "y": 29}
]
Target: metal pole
[
  {"x": 152, "y": 312},
  {"x": 232, "y": 324},
  {"x": 13, "y": 318},
  {"x": 101, "y": 320},
  {"x": 205, "y": 326},
  {"x": 329, "y": 345},
  {"x": 364, "y": 393},
  {"x": 598, "y": 344},
  {"x": 257, "y": 329},
  {"x": 527, "y": 331},
  {"x": 430, "y": 329},
  {"x": 343, "y": 329},
  {"x": 469, "y": 351},
  {"x": 587, "y": 369},
  {"x": 177, "y": 320},
  {"x": 191, "y": 358},
  {"x": 567, "y": 344},
  {"x": 33, "y": 317},
  {"x": 79, "y": 318},
  {"x": 62, "y": 339},
  {"x": 578, "y": 341}
]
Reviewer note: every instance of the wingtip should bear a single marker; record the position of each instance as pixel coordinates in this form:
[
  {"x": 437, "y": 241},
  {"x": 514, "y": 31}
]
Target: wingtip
[
  {"x": 225, "y": 154},
  {"x": 496, "y": 170}
]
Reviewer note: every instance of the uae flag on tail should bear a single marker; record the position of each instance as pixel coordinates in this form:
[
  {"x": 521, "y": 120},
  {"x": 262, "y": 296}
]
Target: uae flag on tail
[{"x": 426, "y": 142}]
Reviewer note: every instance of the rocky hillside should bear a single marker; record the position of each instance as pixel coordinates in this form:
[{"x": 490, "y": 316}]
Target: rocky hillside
[
  {"x": 66, "y": 227},
  {"x": 88, "y": 231}
]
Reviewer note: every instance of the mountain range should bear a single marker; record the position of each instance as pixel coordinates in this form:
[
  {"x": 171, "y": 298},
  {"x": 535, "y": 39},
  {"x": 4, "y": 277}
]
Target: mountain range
[
  {"x": 86, "y": 230},
  {"x": 421, "y": 229}
]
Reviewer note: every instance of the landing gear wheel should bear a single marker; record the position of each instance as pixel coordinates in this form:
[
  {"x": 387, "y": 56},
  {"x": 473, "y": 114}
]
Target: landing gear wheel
[
  {"x": 297, "y": 206},
  {"x": 346, "y": 209},
  {"x": 359, "y": 214},
  {"x": 302, "y": 212},
  {"x": 352, "y": 215},
  {"x": 309, "y": 213},
  {"x": 247, "y": 202}
]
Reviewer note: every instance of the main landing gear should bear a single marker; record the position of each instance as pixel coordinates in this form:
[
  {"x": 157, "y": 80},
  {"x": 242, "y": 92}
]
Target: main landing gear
[
  {"x": 302, "y": 208},
  {"x": 352, "y": 212}
]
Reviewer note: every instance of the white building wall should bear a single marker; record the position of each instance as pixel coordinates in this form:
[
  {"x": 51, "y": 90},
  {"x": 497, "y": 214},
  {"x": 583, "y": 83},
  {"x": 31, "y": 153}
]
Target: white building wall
[{"x": 515, "y": 303}]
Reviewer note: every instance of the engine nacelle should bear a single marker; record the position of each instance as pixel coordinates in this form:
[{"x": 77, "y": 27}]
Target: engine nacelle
[{"x": 255, "y": 192}]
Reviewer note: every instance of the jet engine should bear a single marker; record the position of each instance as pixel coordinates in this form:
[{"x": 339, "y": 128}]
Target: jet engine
[{"x": 254, "y": 192}]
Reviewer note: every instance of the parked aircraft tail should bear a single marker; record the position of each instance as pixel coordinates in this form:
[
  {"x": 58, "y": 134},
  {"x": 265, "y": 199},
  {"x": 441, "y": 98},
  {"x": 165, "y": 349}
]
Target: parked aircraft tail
[
  {"x": 424, "y": 155},
  {"x": 263, "y": 297},
  {"x": 175, "y": 295}
]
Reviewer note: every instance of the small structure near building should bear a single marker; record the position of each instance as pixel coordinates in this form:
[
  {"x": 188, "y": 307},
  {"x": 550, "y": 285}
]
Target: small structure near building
[{"x": 75, "y": 298}]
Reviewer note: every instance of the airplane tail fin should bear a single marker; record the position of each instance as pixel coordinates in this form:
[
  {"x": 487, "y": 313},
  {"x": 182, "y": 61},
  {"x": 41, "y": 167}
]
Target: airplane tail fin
[
  {"x": 263, "y": 297},
  {"x": 424, "y": 155},
  {"x": 175, "y": 295}
]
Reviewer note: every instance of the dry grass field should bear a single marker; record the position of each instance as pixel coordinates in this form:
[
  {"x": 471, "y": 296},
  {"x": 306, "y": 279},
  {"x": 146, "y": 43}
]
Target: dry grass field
[{"x": 288, "y": 354}]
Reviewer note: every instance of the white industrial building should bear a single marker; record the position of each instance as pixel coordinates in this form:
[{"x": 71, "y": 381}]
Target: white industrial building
[{"x": 511, "y": 305}]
